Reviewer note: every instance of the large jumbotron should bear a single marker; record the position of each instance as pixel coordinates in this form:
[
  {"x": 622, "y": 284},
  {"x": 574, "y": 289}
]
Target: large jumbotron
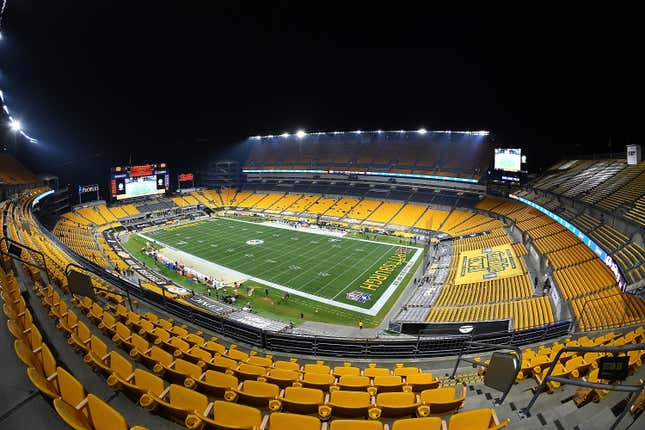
[{"x": 373, "y": 279}]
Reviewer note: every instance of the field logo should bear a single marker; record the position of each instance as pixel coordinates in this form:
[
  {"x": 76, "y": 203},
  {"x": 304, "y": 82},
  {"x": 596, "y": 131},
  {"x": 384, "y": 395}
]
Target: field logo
[
  {"x": 254, "y": 242},
  {"x": 359, "y": 296}
]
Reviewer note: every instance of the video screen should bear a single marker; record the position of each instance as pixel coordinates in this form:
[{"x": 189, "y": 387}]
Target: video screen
[
  {"x": 508, "y": 159},
  {"x": 138, "y": 181}
]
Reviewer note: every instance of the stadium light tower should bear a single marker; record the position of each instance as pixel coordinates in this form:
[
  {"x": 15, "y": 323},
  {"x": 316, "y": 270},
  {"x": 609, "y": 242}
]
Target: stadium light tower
[{"x": 15, "y": 125}]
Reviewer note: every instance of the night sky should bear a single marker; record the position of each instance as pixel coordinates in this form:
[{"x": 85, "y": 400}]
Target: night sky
[{"x": 98, "y": 82}]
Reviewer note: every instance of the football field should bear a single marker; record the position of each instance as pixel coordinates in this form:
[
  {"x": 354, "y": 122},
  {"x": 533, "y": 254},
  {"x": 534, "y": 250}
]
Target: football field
[{"x": 353, "y": 274}]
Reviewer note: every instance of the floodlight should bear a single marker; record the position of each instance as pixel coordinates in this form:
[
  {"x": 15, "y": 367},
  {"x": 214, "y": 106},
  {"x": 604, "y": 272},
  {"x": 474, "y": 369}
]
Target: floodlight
[
  {"x": 358, "y": 132},
  {"x": 422, "y": 131},
  {"x": 15, "y": 125},
  {"x": 379, "y": 131},
  {"x": 300, "y": 134},
  {"x": 285, "y": 134}
]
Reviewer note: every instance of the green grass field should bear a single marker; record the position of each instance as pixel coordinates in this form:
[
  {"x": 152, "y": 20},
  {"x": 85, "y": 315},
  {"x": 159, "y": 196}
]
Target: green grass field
[{"x": 319, "y": 270}]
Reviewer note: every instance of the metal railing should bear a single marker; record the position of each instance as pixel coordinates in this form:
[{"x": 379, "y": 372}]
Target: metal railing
[{"x": 526, "y": 411}]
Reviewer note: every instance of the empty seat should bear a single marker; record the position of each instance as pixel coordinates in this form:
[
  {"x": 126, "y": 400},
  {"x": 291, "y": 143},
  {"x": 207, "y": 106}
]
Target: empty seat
[
  {"x": 346, "y": 370},
  {"x": 256, "y": 360},
  {"x": 281, "y": 377},
  {"x": 248, "y": 371},
  {"x": 215, "y": 383},
  {"x": 94, "y": 414},
  {"x": 319, "y": 367},
  {"x": 254, "y": 393},
  {"x": 322, "y": 381},
  {"x": 387, "y": 383},
  {"x": 81, "y": 337},
  {"x": 428, "y": 423},
  {"x": 397, "y": 404},
  {"x": 348, "y": 404},
  {"x": 287, "y": 365},
  {"x": 176, "y": 402},
  {"x": 421, "y": 381},
  {"x": 440, "y": 401},
  {"x": 222, "y": 364},
  {"x": 373, "y": 371},
  {"x": 353, "y": 382},
  {"x": 299, "y": 400},
  {"x": 226, "y": 415},
  {"x": 137, "y": 383},
  {"x": 478, "y": 419},
  {"x": 355, "y": 425},
  {"x": 286, "y": 421}
]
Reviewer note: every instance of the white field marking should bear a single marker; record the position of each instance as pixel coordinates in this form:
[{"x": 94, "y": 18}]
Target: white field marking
[
  {"x": 314, "y": 231},
  {"x": 362, "y": 273},
  {"x": 376, "y": 307}
]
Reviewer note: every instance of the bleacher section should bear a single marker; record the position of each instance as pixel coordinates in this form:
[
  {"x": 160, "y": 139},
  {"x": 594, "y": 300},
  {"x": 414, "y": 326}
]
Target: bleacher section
[
  {"x": 408, "y": 153},
  {"x": 13, "y": 172}
]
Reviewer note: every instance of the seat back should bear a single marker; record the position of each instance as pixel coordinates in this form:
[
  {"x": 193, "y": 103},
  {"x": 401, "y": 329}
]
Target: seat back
[
  {"x": 103, "y": 416},
  {"x": 287, "y": 365},
  {"x": 220, "y": 379},
  {"x": 120, "y": 365},
  {"x": 304, "y": 395},
  {"x": 233, "y": 415},
  {"x": 353, "y": 382},
  {"x": 405, "y": 371},
  {"x": 148, "y": 382},
  {"x": 353, "y": 399},
  {"x": 238, "y": 355},
  {"x": 184, "y": 398},
  {"x": 71, "y": 391},
  {"x": 475, "y": 420},
  {"x": 179, "y": 344},
  {"x": 160, "y": 356},
  {"x": 139, "y": 343},
  {"x": 355, "y": 425},
  {"x": 430, "y": 423},
  {"x": 98, "y": 347},
  {"x": 187, "y": 368},
  {"x": 286, "y": 421},
  {"x": 395, "y": 399},
  {"x": 317, "y": 368},
  {"x": 260, "y": 389}
]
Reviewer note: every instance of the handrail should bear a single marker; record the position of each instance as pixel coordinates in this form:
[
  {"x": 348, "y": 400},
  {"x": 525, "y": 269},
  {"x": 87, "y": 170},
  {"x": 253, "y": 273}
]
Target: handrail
[
  {"x": 470, "y": 342},
  {"x": 43, "y": 267},
  {"x": 526, "y": 411},
  {"x": 583, "y": 313}
]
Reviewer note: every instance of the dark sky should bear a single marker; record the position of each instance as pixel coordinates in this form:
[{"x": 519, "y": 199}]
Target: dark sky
[{"x": 99, "y": 81}]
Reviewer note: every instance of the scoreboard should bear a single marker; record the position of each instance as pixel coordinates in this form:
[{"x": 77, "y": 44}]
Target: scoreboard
[{"x": 137, "y": 181}]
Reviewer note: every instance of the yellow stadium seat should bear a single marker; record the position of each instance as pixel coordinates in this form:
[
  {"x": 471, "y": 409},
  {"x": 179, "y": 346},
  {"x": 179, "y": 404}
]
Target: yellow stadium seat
[
  {"x": 401, "y": 370},
  {"x": 253, "y": 393},
  {"x": 215, "y": 384},
  {"x": 226, "y": 416},
  {"x": 72, "y": 394},
  {"x": 179, "y": 371},
  {"x": 222, "y": 364},
  {"x": 137, "y": 384},
  {"x": 197, "y": 355},
  {"x": 319, "y": 367},
  {"x": 260, "y": 361},
  {"x": 81, "y": 337},
  {"x": 281, "y": 377},
  {"x": 286, "y": 421},
  {"x": 348, "y": 404},
  {"x": 92, "y": 414},
  {"x": 421, "y": 381},
  {"x": 429, "y": 423},
  {"x": 346, "y": 370},
  {"x": 107, "y": 324},
  {"x": 122, "y": 336},
  {"x": 298, "y": 400},
  {"x": 353, "y": 382},
  {"x": 441, "y": 401},
  {"x": 248, "y": 371},
  {"x": 286, "y": 365},
  {"x": 373, "y": 371},
  {"x": 397, "y": 404},
  {"x": 477, "y": 419},
  {"x": 43, "y": 373},
  {"x": 355, "y": 425},
  {"x": 322, "y": 381},
  {"x": 388, "y": 383},
  {"x": 214, "y": 347},
  {"x": 176, "y": 402}
]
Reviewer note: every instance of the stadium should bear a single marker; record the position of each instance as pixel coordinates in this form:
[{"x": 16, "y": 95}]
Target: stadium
[{"x": 359, "y": 279}]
